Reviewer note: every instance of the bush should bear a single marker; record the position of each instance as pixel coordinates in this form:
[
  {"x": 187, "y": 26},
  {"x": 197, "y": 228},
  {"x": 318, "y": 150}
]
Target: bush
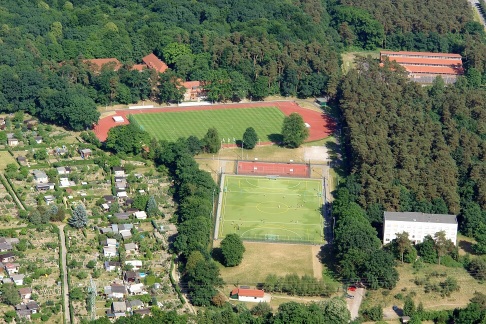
[
  {"x": 448, "y": 261},
  {"x": 373, "y": 313}
]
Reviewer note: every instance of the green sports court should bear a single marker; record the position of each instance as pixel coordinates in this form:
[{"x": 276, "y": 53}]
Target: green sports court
[{"x": 272, "y": 209}]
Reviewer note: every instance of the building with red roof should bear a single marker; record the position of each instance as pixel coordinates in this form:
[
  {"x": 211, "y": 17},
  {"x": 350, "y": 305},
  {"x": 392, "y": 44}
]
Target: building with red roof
[
  {"x": 153, "y": 62},
  {"x": 248, "y": 295},
  {"x": 424, "y": 67},
  {"x": 194, "y": 91}
]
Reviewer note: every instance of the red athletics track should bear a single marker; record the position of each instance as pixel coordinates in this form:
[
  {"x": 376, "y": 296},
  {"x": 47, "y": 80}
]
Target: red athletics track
[
  {"x": 282, "y": 169},
  {"x": 321, "y": 125}
]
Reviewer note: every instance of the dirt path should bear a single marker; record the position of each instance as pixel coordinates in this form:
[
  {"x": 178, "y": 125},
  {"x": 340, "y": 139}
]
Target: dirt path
[
  {"x": 67, "y": 314},
  {"x": 14, "y": 196},
  {"x": 187, "y": 304},
  {"x": 316, "y": 262}
]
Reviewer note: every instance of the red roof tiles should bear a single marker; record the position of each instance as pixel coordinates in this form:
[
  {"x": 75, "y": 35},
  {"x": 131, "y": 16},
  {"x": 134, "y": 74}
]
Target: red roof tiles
[
  {"x": 242, "y": 292},
  {"x": 421, "y": 54},
  {"x": 433, "y": 69},
  {"x": 153, "y": 62},
  {"x": 426, "y": 62}
]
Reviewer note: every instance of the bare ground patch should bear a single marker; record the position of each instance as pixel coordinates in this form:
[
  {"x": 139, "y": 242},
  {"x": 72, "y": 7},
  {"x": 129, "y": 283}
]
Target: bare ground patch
[{"x": 262, "y": 259}]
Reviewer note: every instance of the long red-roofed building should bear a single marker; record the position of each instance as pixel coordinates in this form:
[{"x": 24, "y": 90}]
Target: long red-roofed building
[{"x": 424, "y": 67}]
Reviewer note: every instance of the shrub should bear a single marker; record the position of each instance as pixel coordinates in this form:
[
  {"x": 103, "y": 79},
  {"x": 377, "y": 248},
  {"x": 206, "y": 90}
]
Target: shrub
[{"x": 373, "y": 313}]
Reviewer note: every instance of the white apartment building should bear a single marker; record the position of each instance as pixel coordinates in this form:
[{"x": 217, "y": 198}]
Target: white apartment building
[{"x": 418, "y": 226}]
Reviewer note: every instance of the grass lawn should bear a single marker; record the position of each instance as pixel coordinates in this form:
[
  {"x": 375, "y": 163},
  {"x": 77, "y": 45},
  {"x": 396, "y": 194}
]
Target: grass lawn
[
  {"x": 230, "y": 123},
  {"x": 282, "y": 209},
  {"x": 5, "y": 158},
  {"x": 262, "y": 259},
  {"x": 348, "y": 58},
  {"x": 431, "y": 301}
]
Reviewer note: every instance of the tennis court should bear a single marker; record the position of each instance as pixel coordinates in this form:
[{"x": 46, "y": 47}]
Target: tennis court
[{"x": 272, "y": 209}]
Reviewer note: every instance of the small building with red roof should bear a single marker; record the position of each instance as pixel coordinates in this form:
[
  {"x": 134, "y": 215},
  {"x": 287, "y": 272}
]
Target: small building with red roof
[
  {"x": 194, "y": 91},
  {"x": 248, "y": 295},
  {"x": 153, "y": 62},
  {"x": 424, "y": 67}
]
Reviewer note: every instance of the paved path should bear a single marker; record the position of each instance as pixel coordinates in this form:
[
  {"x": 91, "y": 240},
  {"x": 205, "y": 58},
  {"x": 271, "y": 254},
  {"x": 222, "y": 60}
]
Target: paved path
[
  {"x": 67, "y": 314},
  {"x": 355, "y": 303},
  {"x": 474, "y": 4}
]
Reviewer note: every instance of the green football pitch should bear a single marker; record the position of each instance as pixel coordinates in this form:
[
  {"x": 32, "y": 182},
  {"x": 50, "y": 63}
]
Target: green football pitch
[
  {"x": 230, "y": 123},
  {"x": 266, "y": 209}
]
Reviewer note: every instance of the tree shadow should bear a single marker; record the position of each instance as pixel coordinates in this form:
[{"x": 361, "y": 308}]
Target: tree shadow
[
  {"x": 275, "y": 138},
  {"x": 326, "y": 257},
  {"x": 466, "y": 246},
  {"x": 336, "y": 157},
  {"x": 217, "y": 255}
]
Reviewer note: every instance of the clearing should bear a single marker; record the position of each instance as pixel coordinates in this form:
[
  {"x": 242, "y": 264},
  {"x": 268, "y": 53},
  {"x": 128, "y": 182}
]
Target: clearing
[
  {"x": 272, "y": 209},
  {"x": 230, "y": 123},
  {"x": 5, "y": 158}
]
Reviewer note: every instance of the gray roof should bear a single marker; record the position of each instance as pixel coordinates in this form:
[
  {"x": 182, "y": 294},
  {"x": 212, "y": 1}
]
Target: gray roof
[
  {"x": 119, "y": 307},
  {"x": 118, "y": 289},
  {"x": 420, "y": 217},
  {"x": 135, "y": 303}
]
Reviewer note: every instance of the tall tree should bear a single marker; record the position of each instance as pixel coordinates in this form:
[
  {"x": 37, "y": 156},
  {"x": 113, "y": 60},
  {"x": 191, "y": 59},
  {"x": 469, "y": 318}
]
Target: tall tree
[
  {"x": 211, "y": 140},
  {"x": 250, "y": 138},
  {"x": 79, "y": 219},
  {"x": 442, "y": 244},
  {"x": 232, "y": 249},
  {"x": 152, "y": 207},
  {"x": 403, "y": 243},
  {"x": 294, "y": 131}
]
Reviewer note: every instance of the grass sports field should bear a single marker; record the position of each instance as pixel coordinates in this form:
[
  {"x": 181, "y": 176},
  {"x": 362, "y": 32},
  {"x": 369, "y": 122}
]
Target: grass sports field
[
  {"x": 281, "y": 209},
  {"x": 230, "y": 123}
]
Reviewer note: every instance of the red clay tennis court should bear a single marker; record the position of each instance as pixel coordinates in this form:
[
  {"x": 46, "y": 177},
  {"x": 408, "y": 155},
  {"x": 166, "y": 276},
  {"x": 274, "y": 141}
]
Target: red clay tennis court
[{"x": 270, "y": 169}]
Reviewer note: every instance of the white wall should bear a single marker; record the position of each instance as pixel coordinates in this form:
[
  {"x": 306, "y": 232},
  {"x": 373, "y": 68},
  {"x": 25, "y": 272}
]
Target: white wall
[
  {"x": 250, "y": 299},
  {"x": 417, "y": 230}
]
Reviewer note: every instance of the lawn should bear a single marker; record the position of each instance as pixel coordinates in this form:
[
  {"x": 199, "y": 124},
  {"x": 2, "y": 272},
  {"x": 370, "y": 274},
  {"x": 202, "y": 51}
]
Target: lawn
[
  {"x": 282, "y": 209},
  {"x": 230, "y": 123},
  {"x": 432, "y": 300},
  {"x": 262, "y": 259},
  {"x": 5, "y": 158}
]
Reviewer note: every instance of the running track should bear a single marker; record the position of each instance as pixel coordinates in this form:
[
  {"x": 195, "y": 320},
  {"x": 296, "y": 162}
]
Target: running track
[{"x": 321, "y": 124}]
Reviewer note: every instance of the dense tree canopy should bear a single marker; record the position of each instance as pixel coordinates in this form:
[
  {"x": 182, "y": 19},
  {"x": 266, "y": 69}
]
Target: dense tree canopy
[
  {"x": 294, "y": 131},
  {"x": 232, "y": 249}
]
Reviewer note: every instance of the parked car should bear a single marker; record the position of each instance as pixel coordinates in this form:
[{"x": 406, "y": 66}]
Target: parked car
[
  {"x": 349, "y": 296},
  {"x": 352, "y": 288}
]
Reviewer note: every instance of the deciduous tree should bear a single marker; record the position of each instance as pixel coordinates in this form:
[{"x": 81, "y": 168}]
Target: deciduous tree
[
  {"x": 250, "y": 138},
  {"x": 294, "y": 131},
  {"x": 232, "y": 249}
]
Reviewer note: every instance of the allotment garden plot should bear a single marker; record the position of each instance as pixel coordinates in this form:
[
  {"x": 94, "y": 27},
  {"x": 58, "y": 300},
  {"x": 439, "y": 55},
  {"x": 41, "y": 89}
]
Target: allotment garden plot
[
  {"x": 272, "y": 209},
  {"x": 230, "y": 123}
]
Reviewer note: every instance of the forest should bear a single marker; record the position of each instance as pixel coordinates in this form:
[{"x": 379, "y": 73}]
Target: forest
[
  {"x": 413, "y": 148},
  {"x": 240, "y": 49}
]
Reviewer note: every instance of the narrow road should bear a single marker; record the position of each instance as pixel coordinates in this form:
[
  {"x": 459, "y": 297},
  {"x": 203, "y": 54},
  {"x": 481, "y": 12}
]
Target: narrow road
[
  {"x": 474, "y": 4},
  {"x": 67, "y": 314},
  {"x": 355, "y": 303},
  {"x": 14, "y": 193}
]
